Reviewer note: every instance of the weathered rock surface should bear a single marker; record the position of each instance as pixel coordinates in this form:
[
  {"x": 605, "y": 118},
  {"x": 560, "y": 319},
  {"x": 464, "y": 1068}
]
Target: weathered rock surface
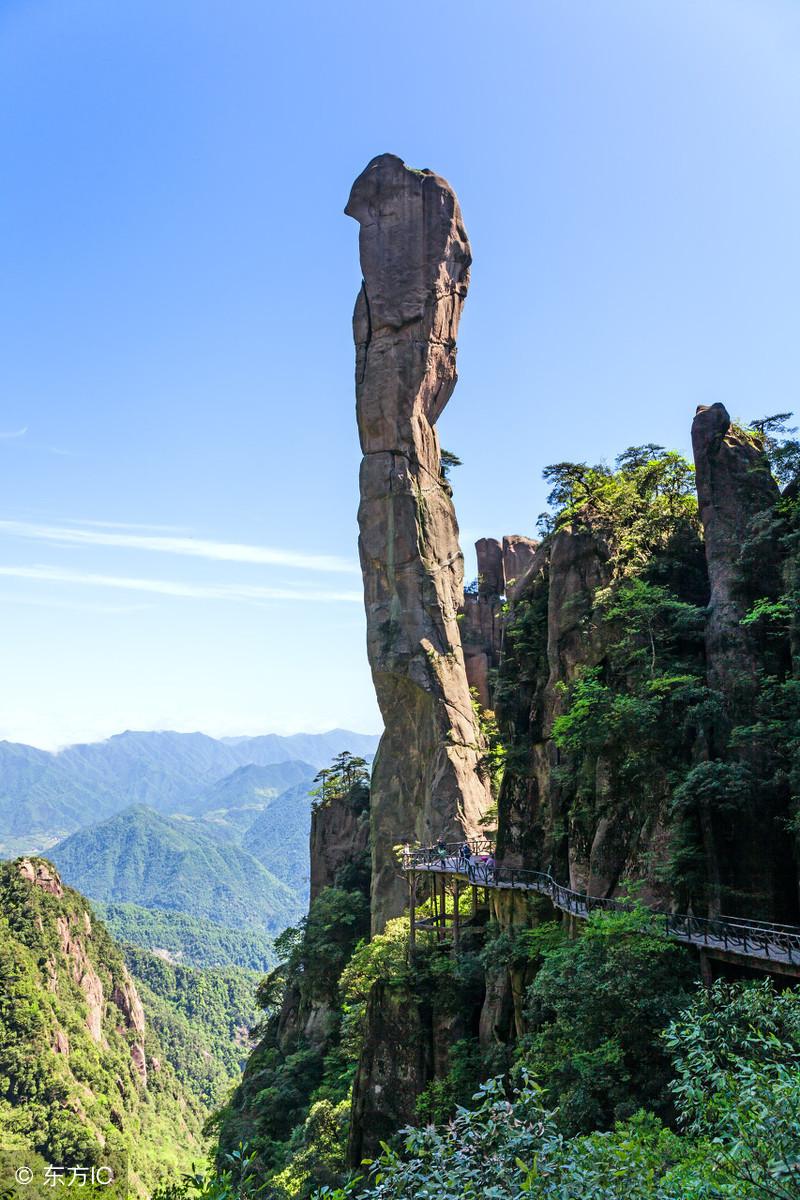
[
  {"x": 482, "y": 622},
  {"x": 395, "y": 1066},
  {"x": 126, "y": 998},
  {"x": 751, "y": 864},
  {"x": 407, "y": 1043},
  {"x": 42, "y": 875},
  {"x": 521, "y": 560},
  {"x": 562, "y": 578},
  {"x": 734, "y": 486},
  {"x": 415, "y": 259},
  {"x": 339, "y": 838}
]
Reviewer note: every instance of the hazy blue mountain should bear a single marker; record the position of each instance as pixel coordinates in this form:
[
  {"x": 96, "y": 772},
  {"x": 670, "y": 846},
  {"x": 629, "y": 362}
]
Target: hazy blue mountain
[
  {"x": 315, "y": 748},
  {"x": 158, "y": 862},
  {"x": 235, "y": 800},
  {"x": 278, "y": 837},
  {"x": 44, "y": 797}
]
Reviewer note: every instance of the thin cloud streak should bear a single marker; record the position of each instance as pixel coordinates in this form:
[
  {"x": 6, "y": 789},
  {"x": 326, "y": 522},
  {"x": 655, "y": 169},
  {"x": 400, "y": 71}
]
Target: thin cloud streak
[
  {"x": 75, "y": 605},
  {"x": 17, "y": 433},
  {"x": 168, "y": 587},
  {"x": 122, "y": 525},
  {"x": 192, "y": 547}
]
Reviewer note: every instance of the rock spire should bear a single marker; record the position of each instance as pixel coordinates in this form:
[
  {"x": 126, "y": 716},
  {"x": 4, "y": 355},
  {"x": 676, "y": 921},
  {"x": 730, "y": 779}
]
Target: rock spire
[{"x": 415, "y": 259}]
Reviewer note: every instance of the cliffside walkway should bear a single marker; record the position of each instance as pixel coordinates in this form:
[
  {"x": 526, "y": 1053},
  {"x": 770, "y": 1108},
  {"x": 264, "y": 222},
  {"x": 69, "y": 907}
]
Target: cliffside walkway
[{"x": 768, "y": 947}]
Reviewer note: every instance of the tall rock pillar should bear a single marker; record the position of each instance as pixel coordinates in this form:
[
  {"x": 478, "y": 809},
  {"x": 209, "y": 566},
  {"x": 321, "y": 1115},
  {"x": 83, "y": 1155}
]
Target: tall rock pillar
[
  {"x": 415, "y": 259},
  {"x": 734, "y": 488}
]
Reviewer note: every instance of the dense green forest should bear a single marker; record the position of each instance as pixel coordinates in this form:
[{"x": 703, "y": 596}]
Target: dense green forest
[
  {"x": 84, "y": 1080},
  {"x": 202, "y": 1018},
  {"x": 186, "y": 939}
]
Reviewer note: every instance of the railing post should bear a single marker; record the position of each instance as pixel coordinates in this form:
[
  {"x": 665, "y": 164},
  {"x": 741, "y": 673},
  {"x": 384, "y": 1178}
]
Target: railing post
[
  {"x": 456, "y": 914},
  {"x": 412, "y": 913}
]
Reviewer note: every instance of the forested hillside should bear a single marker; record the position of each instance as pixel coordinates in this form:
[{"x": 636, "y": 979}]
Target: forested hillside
[
  {"x": 202, "y": 1018},
  {"x": 86, "y": 1081},
  {"x": 180, "y": 938},
  {"x": 167, "y": 863}
]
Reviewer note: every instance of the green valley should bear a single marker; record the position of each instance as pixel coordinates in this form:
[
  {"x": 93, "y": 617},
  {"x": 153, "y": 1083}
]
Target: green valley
[{"x": 180, "y": 938}]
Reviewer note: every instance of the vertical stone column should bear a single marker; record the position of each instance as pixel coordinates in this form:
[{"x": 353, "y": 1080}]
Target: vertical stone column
[
  {"x": 734, "y": 487},
  {"x": 415, "y": 259}
]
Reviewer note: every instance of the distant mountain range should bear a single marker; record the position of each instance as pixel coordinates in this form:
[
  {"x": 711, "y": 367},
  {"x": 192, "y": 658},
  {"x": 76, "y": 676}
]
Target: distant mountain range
[
  {"x": 45, "y": 796},
  {"x": 196, "y": 847}
]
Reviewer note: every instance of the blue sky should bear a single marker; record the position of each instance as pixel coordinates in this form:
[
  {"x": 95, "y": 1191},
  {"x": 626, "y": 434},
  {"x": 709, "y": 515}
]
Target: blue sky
[{"x": 178, "y": 454}]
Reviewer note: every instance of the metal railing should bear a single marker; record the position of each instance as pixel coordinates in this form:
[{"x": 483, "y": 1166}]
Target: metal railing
[{"x": 756, "y": 939}]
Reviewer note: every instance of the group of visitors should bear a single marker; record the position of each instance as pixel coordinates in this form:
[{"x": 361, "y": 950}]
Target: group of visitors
[{"x": 480, "y": 868}]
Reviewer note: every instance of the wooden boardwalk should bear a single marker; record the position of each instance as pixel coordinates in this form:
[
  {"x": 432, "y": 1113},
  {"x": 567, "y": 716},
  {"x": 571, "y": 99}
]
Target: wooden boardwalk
[{"x": 768, "y": 947}]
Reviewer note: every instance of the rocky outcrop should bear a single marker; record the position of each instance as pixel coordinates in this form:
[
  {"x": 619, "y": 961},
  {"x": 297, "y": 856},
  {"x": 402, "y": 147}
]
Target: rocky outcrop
[
  {"x": 522, "y": 559},
  {"x": 83, "y": 972},
  {"x": 139, "y": 1061},
  {"x": 562, "y": 578},
  {"x": 126, "y": 998},
  {"x": 734, "y": 488},
  {"x": 750, "y": 861},
  {"x": 506, "y": 570},
  {"x": 42, "y": 875},
  {"x": 339, "y": 839},
  {"x": 395, "y": 1066},
  {"x": 408, "y": 1039},
  {"x": 482, "y": 623},
  {"x": 415, "y": 260}
]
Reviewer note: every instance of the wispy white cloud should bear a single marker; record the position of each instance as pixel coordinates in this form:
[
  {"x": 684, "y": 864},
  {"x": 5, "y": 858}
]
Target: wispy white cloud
[
  {"x": 15, "y": 433},
  {"x": 28, "y": 601},
  {"x": 189, "y": 546},
  {"x": 169, "y": 587},
  {"x": 122, "y": 525}
]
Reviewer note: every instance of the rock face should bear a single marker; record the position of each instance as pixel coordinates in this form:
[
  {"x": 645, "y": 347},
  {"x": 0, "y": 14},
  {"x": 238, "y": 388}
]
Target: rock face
[
  {"x": 505, "y": 570},
  {"x": 734, "y": 487},
  {"x": 126, "y": 998},
  {"x": 482, "y": 624},
  {"x": 407, "y": 1042},
  {"x": 415, "y": 259},
  {"x": 521, "y": 557},
  {"x": 557, "y": 587},
  {"x": 395, "y": 1065},
  {"x": 42, "y": 875},
  {"x": 737, "y": 496},
  {"x": 339, "y": 838}
]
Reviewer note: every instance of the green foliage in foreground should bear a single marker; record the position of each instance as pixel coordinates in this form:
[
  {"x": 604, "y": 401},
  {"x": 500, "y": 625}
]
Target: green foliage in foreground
[
  {"x": 737, "y": 1088},
  {"x": 595, "y": 1009},
  {"x": 187, "y": 939}
]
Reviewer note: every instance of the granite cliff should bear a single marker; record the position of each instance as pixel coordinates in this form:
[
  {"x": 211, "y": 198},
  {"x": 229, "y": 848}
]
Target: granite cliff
[{"x": 415, "y": 259}]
